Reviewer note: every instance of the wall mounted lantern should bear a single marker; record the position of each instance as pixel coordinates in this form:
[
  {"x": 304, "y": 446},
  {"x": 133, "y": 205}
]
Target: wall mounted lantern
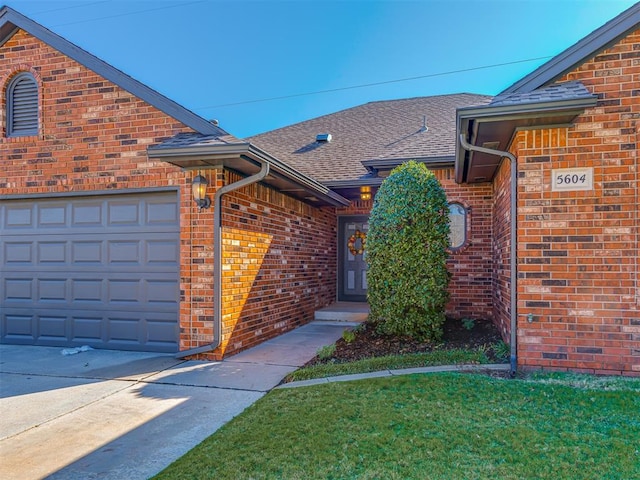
[
  {"x": 199, "y": 188},
  {"x": 365, "y": 192}
]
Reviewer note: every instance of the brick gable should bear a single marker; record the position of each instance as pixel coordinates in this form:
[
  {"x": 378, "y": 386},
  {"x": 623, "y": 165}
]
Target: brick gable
[
  {"x": 93, "y": 135},
  {"x": 578, "y": 251},
  {"x": 278, "y": 253}
]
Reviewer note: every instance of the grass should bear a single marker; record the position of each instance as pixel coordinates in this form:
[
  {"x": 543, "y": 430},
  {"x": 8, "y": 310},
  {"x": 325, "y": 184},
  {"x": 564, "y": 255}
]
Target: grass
[
  {"x": 437, "y": 426},
  {"x": 390, "y": 362}
]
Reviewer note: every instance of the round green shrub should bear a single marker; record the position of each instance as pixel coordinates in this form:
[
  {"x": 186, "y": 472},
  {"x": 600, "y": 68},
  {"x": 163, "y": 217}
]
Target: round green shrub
[{"x": 407, "y": 246}]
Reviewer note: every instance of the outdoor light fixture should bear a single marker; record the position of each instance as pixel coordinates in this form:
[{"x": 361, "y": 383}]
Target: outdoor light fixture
[
  {"x": 199, "y": 189},
  {"x": 365, "y": 192}
]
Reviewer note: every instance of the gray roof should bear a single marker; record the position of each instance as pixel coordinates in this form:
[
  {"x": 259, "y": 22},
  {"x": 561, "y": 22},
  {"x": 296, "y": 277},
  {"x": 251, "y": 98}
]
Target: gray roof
[
  {"x": 576, "y": 55},
  {"x": 197, "y": 151},
  {"x": 573, "y": 90},
  {"x": 384, "y": 130},
  {"x": 496, "y": 122},
  {"x": 196, "y": 140},
  {"x": 535, "y": 100},
  {"x": 11, "y": 21}
]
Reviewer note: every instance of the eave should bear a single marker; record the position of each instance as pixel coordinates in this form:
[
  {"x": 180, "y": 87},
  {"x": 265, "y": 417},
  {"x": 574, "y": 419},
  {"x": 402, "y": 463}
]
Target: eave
[
  {"x": 495, "y": 127},
  {"x": 382, "y": 164},
  {"x": 246, "y": 159}
]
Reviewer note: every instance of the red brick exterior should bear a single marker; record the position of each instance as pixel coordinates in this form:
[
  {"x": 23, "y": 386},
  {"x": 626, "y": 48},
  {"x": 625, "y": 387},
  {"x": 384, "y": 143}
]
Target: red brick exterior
[
  {"x": 279, "y": 254},
  {"x": 501, "y": 278},
  {"x": 278, "y": 266},
  {"x": 470, "y": 266},
  {"x": 578, "y": 251},
  {"x": 93, "y": 135}
]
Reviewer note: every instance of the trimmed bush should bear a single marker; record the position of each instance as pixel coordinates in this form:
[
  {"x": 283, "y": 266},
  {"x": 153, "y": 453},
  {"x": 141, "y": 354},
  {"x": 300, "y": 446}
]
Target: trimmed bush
[{"x": 407, "y": 246}]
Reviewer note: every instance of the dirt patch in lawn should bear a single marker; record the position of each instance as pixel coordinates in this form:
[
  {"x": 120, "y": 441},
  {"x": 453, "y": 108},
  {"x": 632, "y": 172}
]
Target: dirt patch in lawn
[{"x": 458, "y": 334}]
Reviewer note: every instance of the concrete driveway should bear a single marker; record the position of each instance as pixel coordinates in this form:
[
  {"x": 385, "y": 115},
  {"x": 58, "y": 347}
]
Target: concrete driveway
[{"x": 127, "y": 415}]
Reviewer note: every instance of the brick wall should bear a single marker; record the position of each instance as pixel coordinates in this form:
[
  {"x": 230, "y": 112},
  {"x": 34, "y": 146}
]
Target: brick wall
[
  {"x": 93, "y": 135},
  {"x": 278, "y": 268},
  {"x": 501, "y": 254},
  {"x": 279, "y": 263},
  {"x": 578, "y": 251},
  {"x": 470, "y": 266}
]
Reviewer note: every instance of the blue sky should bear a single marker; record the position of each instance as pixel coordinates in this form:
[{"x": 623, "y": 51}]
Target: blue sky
[{"x": 225, "y": 59}]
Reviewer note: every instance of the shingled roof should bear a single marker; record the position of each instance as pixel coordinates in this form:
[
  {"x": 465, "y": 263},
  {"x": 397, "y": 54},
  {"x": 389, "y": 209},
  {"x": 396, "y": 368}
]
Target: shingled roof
[
  {"x": 558, "y": 91},
  {"x": 392, "y": 130}
]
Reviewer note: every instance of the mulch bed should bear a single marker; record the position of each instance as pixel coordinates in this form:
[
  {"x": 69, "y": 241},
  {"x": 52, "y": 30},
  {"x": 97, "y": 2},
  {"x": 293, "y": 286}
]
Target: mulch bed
[{"x": 368, "y": 343}]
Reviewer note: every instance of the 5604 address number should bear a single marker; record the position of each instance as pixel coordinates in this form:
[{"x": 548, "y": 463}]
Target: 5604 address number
[{"x": 570, "y": 179}]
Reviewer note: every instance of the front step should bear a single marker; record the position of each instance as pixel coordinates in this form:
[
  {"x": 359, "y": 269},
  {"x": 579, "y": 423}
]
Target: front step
[{"x": 344, "y": 312}]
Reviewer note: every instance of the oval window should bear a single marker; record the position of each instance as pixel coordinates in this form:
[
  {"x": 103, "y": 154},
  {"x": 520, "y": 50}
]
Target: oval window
[{"x": 457, "y": 225}]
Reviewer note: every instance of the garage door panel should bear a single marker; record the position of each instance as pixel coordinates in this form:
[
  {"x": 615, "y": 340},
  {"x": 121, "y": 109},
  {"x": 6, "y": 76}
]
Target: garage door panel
[
  {"x": 87, "y": 290},
  {"x": 19, "y": 290},
  {"x": 53, "y": 290},
  {"x": 161, "y": 293},
  {"x": 87, "y": 252},
  {"x": 18, "y": 327},
  {"x": 161, "y": 332},
  {"x": 52, "y": 216},
  {"x": 53, "y": 327},
  {"x": 124, "y": 291},
  {"x": 153, "y": 292},
  {"x": 87, "y": 329},
  {"x": 160, "y": 212},
  {"x": 91, "y": 270},
  {"x": 18, "y": 252},
  {"x": 162, "y": 253},
  {"x": 89, "y": 214},
  {"x": 120, "y": 252},
  {"x": 52, "y": 252},
  {"x": 124, "y": 330},
  {"x": 18, "y": 217},
  {"x": 123, "y": 213}
]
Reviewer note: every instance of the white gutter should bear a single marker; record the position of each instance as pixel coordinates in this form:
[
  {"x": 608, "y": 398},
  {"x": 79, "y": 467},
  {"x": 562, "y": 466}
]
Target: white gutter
[
  {"x": 217, "y": 258},
  {"x": 514, "y": 243}
]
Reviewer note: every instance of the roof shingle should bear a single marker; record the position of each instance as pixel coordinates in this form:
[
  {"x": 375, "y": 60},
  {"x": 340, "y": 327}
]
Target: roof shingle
[
  {"x": 391, "y": 129},
  {"x": 559, "y": 91}
]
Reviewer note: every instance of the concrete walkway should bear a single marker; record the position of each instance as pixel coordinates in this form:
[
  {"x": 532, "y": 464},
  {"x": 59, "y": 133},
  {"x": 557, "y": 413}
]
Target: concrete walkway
[{"x": 104, "y": 414}]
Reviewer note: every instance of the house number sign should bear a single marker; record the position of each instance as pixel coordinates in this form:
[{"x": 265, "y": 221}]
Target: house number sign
[{"x": 571, "y": 179}]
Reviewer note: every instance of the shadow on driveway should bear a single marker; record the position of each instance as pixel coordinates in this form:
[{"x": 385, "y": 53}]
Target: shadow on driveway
[{"x": 127, "y": 415}]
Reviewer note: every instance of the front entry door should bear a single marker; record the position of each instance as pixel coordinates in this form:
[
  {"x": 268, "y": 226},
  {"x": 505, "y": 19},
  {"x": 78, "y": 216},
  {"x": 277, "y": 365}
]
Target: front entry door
[{"x": 352, "y": 265}]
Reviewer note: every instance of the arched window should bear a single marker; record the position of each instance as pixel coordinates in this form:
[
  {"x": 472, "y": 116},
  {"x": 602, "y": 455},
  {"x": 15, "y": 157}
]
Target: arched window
[
  {"x": 22, "y": 106},
  {"x": 457, "y": 225}
]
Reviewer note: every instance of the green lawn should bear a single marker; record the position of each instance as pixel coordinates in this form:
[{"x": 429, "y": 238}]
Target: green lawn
[
  {"x": 436, "y": 426},
  {"x": 390, "y": 362}
]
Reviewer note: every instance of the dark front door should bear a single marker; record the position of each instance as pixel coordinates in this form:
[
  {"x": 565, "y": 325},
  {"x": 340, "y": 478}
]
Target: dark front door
[{"x": 352, "y": 252}]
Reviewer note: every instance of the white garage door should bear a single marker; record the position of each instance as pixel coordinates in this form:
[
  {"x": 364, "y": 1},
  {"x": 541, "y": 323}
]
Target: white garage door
[{"x": 99, "y": 271}]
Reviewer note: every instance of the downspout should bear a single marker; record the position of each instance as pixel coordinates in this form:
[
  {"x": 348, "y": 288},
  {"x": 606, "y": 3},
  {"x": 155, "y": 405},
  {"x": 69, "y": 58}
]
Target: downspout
[
  {"x": 514, "y": 243},
  {"x": 217, "y": 257}
]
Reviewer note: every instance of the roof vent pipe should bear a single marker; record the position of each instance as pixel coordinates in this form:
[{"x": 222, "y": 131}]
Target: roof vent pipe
[
  {"x": 424, "y": 127},
  {"x": 323, "y": 137}
]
